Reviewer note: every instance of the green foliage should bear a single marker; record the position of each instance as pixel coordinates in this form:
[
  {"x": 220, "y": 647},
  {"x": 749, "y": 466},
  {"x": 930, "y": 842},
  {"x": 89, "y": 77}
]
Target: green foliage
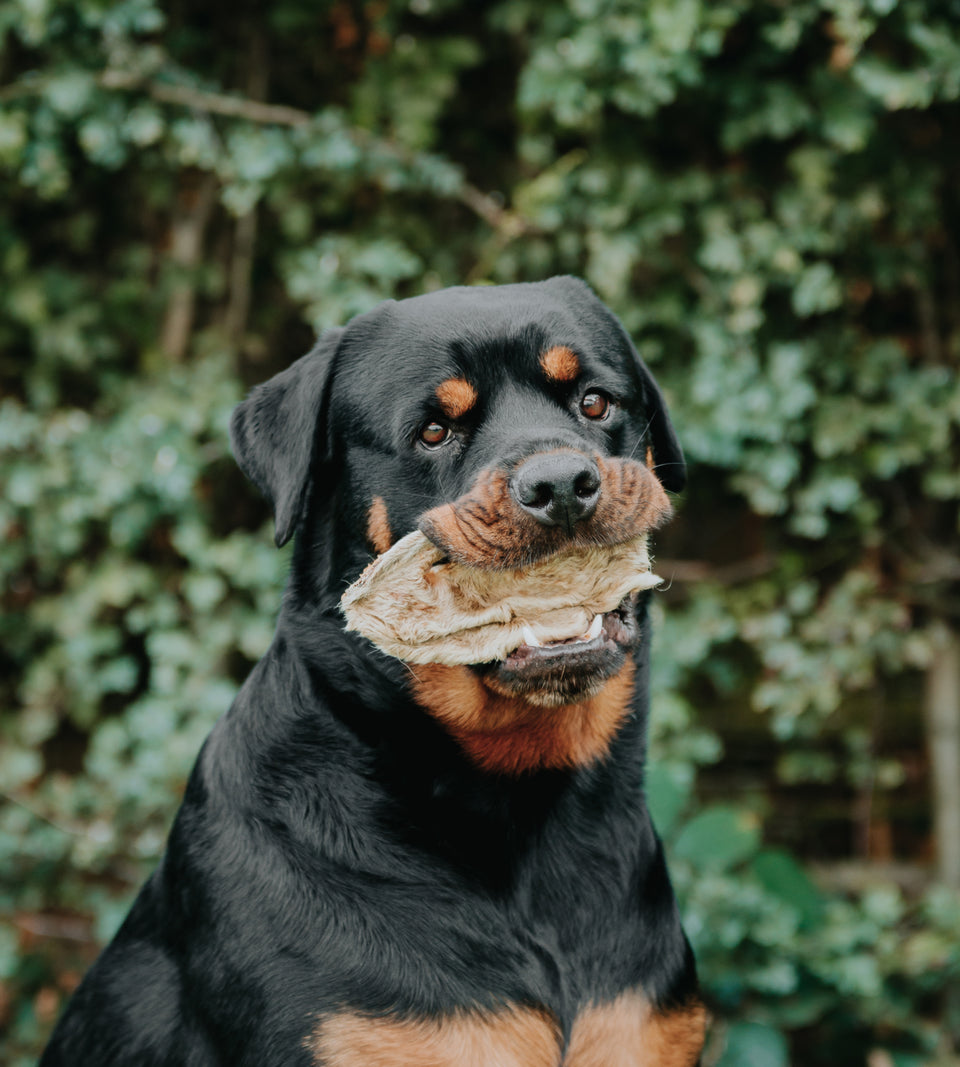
[{"x": 765, "y": 192}]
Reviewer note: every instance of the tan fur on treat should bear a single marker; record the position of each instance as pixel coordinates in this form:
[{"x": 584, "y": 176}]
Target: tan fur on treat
[{"x": 413, "y": 604}]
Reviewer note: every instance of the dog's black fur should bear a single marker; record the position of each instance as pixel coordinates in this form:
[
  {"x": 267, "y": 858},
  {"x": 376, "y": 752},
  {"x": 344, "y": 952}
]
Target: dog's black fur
[{"x": 336, "y": 850}]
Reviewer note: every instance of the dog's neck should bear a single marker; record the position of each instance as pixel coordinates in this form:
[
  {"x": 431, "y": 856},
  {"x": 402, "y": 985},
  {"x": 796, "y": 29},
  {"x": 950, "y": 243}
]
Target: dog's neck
[
  {"x": 355, "y": 719},
  {"x": 380, "y": 698}
]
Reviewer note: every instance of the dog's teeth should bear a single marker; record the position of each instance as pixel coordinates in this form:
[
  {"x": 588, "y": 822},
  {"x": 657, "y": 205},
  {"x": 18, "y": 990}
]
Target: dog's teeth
[
  {"x": 530, "y": 638},
  {"x": 595, "y": 627}
]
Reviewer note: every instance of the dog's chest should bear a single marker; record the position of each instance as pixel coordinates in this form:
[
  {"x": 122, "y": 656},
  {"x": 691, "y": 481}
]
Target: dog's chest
[{"x": 626, "y": 1032}]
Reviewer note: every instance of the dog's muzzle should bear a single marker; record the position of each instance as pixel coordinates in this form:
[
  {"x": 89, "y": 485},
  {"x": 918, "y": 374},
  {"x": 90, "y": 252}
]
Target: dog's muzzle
[{"x": 547, "y": 502}]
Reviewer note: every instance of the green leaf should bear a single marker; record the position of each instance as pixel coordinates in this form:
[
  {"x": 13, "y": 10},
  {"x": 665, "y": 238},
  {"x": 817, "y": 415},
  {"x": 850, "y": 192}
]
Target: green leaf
[
  {"x": 754, "y": 1045},
  {"x": 718, "y": 838},
  {"x": 817, "y": 290},
  {"x": 667, "y": 790},
  {"x": 779, "y": 873}
]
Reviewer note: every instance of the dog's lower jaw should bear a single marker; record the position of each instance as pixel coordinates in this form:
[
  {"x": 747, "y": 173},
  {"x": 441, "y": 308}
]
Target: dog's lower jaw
[
  {"x": 513, "y": 735},
  {"x": 563, "y": 688},
  {"x": 554, "y": 675},
  {"x": 550, "y": 698}
]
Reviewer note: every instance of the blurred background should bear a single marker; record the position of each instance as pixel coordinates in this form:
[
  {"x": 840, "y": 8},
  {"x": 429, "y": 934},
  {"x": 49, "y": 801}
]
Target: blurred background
[{"x": 766, "y": 191}]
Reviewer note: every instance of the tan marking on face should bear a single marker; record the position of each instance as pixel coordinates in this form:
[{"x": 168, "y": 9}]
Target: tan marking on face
[
  {"x": 379, "y": 535},
  {"x": 457, "y": 396},
  {"x": 560, "y": 364},
  {"x": 487, "y": 528},
  {"x": 509, "y": 734},
  {"x": 650, "y": 460},
  {"x": 629, "y": 1032},
  {"x": 513, "y": 1037}
]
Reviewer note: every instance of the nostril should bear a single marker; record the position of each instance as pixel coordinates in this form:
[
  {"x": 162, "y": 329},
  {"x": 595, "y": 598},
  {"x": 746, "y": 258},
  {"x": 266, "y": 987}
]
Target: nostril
[
  {"x": 587, "y": 484},
  {"x": 532, "y": 491},
  {"x": 541, "y": 495},
  {"x": 536, "y": 495}
]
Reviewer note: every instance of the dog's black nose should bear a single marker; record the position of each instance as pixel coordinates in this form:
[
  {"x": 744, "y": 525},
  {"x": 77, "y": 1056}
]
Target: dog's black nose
[{"x": 557, "y": 488}]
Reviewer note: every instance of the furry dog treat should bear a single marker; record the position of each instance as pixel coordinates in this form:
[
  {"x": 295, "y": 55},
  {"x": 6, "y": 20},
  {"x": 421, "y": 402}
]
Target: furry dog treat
[{"x": 413, "y": 603}]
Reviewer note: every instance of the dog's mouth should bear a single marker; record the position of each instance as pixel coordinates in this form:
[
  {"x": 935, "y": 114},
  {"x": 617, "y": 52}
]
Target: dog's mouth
[
  {"x": 569, "y": 669},
  {"x": 606, "y": 632},
  {"x": 563, "y": 621}
]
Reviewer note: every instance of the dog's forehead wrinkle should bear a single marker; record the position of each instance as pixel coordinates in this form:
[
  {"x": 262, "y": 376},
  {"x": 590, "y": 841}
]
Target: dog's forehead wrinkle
[
  {"x": 478, "y": 331},
  {"x": 500, "y": 342}
]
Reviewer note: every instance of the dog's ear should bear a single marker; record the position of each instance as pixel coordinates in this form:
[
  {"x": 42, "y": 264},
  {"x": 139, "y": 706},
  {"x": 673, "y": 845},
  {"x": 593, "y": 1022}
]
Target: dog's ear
[{"x": 274, "y": 432}]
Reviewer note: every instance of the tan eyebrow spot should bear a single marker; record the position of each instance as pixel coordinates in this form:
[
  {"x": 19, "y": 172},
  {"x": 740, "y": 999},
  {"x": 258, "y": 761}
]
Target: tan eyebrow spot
[
  {"x": 560, "y": 364},
  {"x": 457, "y": 396},
  {"x": 379, "y": 535}
]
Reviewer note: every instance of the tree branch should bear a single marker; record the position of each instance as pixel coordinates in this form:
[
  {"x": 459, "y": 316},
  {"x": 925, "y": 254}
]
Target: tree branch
[
  {"x": 242, "y": 254},
  {"x": 240, "y": 107},
  {"x": 237, "y": 107},
  {"x": 942, "y": 712},
  {"x": 188, "y": 226},
  {"x": 695, "y": 570}
]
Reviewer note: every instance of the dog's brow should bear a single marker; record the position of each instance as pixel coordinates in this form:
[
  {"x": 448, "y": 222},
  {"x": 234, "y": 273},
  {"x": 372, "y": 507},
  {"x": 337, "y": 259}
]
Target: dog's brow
[
  {"x": 560, "y": 364},
  {"x": 457, "y": 396}
]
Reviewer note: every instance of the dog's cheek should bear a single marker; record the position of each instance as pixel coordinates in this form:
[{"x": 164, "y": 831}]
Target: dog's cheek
[
  {"x": 481, "y": 528},
  {"x": 632, "y": 499},
  {"x": 453, "y": 695},
  {"x": 513, "y": 1037},
  {"x": 630, "y": 1033}
]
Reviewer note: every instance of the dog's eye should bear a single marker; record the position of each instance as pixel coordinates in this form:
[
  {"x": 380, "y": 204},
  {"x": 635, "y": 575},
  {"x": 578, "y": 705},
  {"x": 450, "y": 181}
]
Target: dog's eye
[
  {"x": 434, "y": 434},
  {"x": 595, "y": 405}
]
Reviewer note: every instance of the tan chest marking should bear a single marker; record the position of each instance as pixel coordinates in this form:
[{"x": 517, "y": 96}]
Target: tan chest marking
[
  {"x": 515, "y": 1037},
  {"x": 627, "y": 1032},
  {"x": 623, "y": 1033},
  {"x": 509, "y": 735}
]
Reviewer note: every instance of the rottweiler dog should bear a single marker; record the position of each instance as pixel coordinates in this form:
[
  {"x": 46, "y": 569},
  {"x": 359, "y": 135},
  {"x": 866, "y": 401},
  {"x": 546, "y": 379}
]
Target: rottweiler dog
[{"x": 385, "y": 865}]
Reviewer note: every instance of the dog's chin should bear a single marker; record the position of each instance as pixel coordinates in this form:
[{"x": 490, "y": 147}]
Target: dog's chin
[{"x": 553, "y": 674}]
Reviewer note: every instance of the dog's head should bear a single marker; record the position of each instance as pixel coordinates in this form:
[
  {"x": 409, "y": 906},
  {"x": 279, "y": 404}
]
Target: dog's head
[{"x": 507, "y": 423}]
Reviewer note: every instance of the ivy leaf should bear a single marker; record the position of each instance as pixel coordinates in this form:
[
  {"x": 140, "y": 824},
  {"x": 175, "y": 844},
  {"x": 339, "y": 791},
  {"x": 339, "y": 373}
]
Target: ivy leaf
[
  {"x": 754, "y": 1045},
  {"x": 780, "y": 874},
  {"x": 718, "y": 838}
]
